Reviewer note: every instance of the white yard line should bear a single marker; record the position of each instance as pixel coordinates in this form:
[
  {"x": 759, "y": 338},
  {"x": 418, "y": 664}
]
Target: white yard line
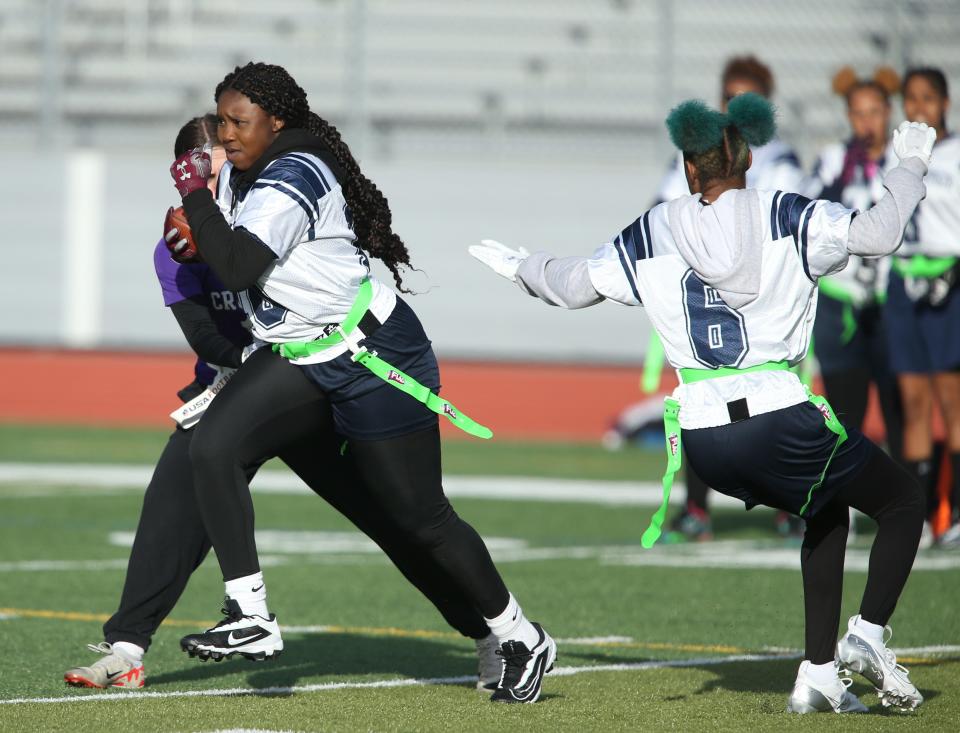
[
  {"x": 113, "y": 696},
  {"x": 59, "y": 479}
]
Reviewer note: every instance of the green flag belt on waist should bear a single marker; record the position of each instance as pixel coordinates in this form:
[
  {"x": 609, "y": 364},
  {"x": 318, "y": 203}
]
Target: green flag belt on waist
[
  {"x": 674, "y": 446},
  {"x": 922, "y": 266},
  {"x": 382, "y": 369}
]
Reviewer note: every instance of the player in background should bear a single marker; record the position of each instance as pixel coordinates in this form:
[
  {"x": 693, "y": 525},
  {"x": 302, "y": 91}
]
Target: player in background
[
  {"x": 728, "y": 276},
  {"x": 922, "y": 312},
  {"x": 171, "y": 542},
  {"x": 292, "y": 226},
  {"x": 776, "y": 167},
  {"x": 849, "y": 339}
]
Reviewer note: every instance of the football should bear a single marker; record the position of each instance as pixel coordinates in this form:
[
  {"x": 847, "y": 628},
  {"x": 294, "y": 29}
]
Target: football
[{"x": 179, "y": 238}]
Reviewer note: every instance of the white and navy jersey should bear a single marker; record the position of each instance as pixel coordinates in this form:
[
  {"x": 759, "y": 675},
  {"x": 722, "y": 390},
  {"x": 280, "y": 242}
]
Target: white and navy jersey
[
  {"x": 801, "y": 240},
  {"x": 844, "y": 174},
  {"x": 296, "y": 208},
  {"x": 775, "y": 167},
  {"x": 934, "y": 230}
]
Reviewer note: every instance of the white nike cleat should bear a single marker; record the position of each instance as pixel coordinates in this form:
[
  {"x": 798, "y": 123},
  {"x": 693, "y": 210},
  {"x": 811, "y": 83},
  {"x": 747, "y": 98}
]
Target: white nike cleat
[
  {"x": 490, "y": 663},
  {"x": 872, "y": 659},
  {"x": 253, "y": 637},
  {"x": 809, "y": 696},
  {"x": 523, "y": 668},
  {"x": 113, "y": 669}
]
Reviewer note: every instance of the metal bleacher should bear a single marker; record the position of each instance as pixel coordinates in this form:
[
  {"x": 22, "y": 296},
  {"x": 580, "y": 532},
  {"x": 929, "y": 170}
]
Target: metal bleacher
[{"x": 74, "y": 65}]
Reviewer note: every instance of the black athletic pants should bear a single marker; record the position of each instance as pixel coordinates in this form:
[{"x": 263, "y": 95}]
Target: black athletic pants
[
  {"x": 171, "y": 541},
  {"x": 887, "y": 493},
  {"x": 270, "y": 404},
  {"x": 848, "y": 392}
]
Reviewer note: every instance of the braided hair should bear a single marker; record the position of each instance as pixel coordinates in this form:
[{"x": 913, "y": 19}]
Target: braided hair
[
  {"x": 719, "y": 144},
  {"x": 273, "y": 89}
]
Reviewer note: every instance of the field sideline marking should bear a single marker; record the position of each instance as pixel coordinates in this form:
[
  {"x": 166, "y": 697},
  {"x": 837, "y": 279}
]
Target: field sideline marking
[
  {"x": 404, "y": 682},
  {"x": 504, "y": 488}
]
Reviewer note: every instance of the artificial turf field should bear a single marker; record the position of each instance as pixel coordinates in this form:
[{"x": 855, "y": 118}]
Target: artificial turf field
[{"x": 681, "y": 637}]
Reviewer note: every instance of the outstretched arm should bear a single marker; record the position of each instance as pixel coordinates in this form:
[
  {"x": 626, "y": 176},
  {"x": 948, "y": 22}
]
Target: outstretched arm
[
  {"x": 879, "y": 230},
  {"x": 562, "y": 281}
]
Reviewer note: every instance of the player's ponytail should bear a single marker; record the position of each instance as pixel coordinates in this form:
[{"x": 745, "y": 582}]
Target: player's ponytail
[
  {"x": 718, "y": 144},
  {"x": 196, "y": 133},
  {"x": 276, "y": 92}
]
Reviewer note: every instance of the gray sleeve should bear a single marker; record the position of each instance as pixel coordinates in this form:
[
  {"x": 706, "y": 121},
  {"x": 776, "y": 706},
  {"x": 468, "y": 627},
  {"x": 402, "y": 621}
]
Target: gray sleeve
[
  {"x": 879, "y": 230},
  {"x": 562, "y": 281}
]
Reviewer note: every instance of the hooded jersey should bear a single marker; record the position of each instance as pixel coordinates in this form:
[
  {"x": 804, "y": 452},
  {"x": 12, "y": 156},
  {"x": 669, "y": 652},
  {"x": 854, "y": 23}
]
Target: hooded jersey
[
  {"x": 759, "y": 255},
  {"x": 296, "y": 208}
]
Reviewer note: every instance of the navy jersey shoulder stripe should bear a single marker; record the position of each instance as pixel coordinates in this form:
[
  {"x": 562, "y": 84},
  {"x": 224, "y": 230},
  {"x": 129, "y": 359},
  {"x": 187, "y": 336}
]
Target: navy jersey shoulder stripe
[
  {"x": 648, "y": 240},
  {"x": 774, "y": 229},
  {"x": 285, "y": 188},
  {"x": 628, "y": 262},
  {"x": 789, "y": 209},
  {"x": 313, "y": 167},
  {"x": 802, "y": 239},
  {"x": 299, "y": 175}
]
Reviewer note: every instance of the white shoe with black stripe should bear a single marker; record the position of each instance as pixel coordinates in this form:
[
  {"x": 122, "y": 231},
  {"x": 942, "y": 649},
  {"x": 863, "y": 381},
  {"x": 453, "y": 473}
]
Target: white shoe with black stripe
[
  {"x": 523, "y": 668},
  {"x": 253, "y": 637}
]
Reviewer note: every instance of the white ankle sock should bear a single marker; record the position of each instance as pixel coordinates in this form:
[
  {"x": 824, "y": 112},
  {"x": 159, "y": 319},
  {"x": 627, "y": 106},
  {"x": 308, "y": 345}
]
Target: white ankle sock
[
  {"x": 874, "y": 632},
  {"x": 822, "y": 674},
  {"x": 251, "y": 593},
  {"x": 131, "y": 651},
  {"x": 512, "y": 626}
]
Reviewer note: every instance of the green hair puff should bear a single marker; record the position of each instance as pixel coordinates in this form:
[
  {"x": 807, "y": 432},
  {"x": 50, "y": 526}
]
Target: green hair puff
[
  {"x": 753, "y": 117},
  {"x": 695, "y": 128}
]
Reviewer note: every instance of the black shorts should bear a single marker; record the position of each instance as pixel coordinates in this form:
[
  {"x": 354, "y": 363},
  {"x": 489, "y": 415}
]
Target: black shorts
[
  {"x": 775, "y": 459},
  {"x": 922, "y": 339},
  {"x": 364, "y": 406},
  {"x": 867, "y": 348}
]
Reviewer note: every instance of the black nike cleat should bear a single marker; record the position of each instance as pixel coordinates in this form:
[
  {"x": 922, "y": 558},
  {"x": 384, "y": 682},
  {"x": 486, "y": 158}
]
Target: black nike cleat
[
  {"x": 253, "y": 637},
  {"x": 523, "y": 668}
]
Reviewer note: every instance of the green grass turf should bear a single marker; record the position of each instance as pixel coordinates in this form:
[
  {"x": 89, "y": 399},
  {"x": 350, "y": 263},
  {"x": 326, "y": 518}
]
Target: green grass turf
[
  {"x": 70, "y": 444},
  {"x": 739, "y": 608}
]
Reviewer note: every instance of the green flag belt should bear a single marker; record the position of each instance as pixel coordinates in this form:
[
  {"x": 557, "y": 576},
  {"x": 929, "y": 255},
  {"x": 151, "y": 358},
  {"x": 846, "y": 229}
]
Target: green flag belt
[
  {"x": 382, "y": 369},
  {"x": 922, "y": 266},
  {"x": 672, "y": 433}
]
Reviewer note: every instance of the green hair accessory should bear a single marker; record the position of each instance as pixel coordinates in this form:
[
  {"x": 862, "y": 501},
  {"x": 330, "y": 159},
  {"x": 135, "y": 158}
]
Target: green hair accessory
[{"x": 695, "y": 128}]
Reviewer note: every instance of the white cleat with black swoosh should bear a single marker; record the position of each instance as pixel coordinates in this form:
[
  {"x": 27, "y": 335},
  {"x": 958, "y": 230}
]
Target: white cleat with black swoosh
[
  {"x": 523, "y": 668},
  {"x": 253, "y": 637}
]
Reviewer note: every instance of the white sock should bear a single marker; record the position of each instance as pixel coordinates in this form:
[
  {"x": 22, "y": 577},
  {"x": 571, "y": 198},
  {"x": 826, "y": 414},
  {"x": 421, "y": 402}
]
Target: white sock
[
  {"x": 250, "y": 592},
  {"x": 131, "y": 651},
  {"x": 874, "y": 632},
  {"x": 822, "y": 674},
  {"x": 512, "y": 626}
]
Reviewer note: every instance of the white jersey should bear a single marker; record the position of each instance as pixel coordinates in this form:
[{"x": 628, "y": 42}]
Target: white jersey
[
  {"x": 775, "y": 167},
  {"x": 296, "y": 208},
  {"x": 934, "y": 230},
  {"x": 802, "y": 240},
  {"x": 857, "y": 184}
]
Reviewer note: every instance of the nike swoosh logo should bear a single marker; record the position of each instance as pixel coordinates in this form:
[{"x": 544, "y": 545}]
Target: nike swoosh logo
[
  {"x": 234, "y": 641},
  {"x": 254, "y": 590},
  {"x": 111, "y": 675}
]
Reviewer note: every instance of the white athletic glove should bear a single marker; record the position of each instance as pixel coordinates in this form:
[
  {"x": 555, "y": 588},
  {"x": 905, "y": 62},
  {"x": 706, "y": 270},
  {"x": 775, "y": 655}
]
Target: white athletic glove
[
  {"x": 914, "y": 140},
  {"x": 499, "y": 257}
]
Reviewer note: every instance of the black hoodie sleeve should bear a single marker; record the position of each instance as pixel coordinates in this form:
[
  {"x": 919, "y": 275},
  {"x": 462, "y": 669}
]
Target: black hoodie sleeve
[
  {"x": 236, "y": 257},
  {"x": 201, "y": 332}
]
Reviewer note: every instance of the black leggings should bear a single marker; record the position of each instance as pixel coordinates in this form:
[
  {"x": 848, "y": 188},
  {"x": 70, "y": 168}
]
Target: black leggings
[
  {"x": 848, "y": 392},
  {"x": 887, "y": 493},
  {"x": 269, "y": 405},
  {"x": 171, "y": 541}
]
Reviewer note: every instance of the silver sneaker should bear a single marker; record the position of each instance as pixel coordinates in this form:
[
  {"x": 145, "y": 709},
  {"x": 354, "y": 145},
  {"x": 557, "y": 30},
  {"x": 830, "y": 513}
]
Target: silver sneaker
[
  {"x": 111, "y": 670},
  {"x": 811, "y": 697},
  {"x": 490, "y": 663},
  {"x": 878, "y": 664},
  {"x": 950, "y": 540}
]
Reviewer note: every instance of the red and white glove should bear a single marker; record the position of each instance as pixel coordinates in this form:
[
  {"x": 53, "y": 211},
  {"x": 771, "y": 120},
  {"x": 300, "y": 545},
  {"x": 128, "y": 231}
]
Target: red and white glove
[{"x": 191, "y": 170}]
